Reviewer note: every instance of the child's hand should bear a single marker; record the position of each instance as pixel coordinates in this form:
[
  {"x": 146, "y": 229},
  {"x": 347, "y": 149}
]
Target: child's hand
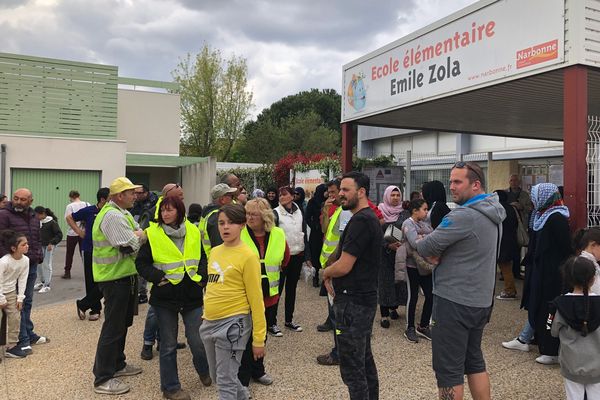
[
  {"x": 19, "y": 305},
  {"x": 3, "y": 306},
  {"x": 258, "y": 352}
]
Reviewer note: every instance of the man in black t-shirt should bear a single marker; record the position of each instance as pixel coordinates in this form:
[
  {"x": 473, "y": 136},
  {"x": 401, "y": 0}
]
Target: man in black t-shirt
[{"x": 352, "y": 280}]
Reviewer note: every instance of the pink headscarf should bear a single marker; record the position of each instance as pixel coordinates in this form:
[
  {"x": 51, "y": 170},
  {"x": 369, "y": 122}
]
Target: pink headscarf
[{"x": 390, "y": 212}]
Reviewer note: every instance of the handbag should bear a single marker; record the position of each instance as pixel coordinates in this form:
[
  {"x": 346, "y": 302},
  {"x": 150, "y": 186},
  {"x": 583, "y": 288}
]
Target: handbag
[
  {"x": 393, "y": 234},
  {"x": 522, "y": 236}
]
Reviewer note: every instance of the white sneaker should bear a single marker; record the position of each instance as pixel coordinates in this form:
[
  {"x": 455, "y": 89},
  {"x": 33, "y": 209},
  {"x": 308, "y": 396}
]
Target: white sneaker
[
  {"x": 516, "y": 344},
  {"x": 547, "y": 360},
  {"x": 45, "y": 289},
  {"x": 38, "y": 286}
]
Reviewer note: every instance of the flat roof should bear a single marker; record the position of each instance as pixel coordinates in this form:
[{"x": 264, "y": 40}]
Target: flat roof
[{"x": 152, "y": 160}]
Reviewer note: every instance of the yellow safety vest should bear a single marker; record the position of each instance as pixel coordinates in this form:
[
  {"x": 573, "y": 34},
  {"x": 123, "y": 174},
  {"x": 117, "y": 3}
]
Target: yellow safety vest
[
  {"x": 332, "y": 237},
  {"x": 204, "y": 232},
  {"x": 108, "y": 264},
  {"x": 157, "y": 210},
  {"x": 274, "y": 255},
  {"x": 169, "y": 259}
]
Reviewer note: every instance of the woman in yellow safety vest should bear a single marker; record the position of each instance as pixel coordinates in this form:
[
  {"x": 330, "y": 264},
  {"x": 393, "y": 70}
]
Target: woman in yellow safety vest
[
  {"x": 268, "y": 242},
  {"x": 169, "y": 259}
]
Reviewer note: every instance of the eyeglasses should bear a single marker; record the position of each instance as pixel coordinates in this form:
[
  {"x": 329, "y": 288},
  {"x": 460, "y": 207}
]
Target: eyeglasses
[
  {"x": 462, "y": 164},
  {"x": 177, "y": 185}
]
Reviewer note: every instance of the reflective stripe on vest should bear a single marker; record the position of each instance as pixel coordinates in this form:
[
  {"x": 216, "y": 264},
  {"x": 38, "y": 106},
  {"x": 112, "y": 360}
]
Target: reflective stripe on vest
[
  {"x": 274, "y": 255},
  {"x": 160, "y": 199},
  {"x": 332, "y": 237},
  {"x": 169, "y": 259},
  {"x": 204, "y": 233},
  {"x": 108, "y": 263}
]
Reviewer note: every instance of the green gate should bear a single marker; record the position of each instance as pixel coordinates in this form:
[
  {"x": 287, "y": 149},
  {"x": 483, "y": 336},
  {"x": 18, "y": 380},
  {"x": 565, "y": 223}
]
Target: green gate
[{"x": 51, "y": 187}]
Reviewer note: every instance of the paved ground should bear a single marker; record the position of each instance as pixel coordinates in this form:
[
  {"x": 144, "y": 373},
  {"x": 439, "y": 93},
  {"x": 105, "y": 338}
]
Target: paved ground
[{"x": 62, "y": 368}]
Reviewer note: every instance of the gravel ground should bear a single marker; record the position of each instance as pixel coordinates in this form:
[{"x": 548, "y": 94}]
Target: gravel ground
[{"x": 62, "y": 369}]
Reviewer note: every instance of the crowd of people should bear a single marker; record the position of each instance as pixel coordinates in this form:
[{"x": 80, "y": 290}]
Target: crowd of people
[{"x": 224, "y": 268}]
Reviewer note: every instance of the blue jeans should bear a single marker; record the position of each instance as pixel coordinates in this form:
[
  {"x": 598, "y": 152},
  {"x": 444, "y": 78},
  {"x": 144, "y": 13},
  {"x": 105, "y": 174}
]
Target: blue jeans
[
  {"x": 151, "y": 327},
  {"x": 46, "y": 266},
  {"x": 168, "y": 322},
  {"x": 26, "y": 333},
  {"x": 527, "y": 333}
]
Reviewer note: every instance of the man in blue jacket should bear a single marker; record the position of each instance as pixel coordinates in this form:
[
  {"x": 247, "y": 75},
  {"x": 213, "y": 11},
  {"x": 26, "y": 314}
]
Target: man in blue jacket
[{"x": 463, "y": 282}]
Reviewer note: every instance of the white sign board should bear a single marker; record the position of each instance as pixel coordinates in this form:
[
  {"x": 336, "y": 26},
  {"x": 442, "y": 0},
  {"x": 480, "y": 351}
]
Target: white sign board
[
  {"x": 504, "y": 39},
  {"x": 308, "y": 180}
]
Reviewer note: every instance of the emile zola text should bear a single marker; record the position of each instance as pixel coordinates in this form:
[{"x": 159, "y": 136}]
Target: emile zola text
[{"x": 437, "y": 73}]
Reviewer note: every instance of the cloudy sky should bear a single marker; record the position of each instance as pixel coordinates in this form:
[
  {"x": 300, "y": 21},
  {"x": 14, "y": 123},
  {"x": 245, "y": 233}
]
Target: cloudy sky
[{"x": 290, "y": 45}]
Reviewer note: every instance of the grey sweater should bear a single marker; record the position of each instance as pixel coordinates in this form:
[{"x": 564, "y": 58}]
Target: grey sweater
[{"x": 466, "y": 240}]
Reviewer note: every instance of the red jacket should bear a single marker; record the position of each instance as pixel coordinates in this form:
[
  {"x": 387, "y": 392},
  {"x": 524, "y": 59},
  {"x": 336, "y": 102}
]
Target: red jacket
[{"x": 26, "y": 223}]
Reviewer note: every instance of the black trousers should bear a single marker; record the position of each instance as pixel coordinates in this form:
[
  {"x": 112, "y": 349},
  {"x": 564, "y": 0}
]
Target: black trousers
[
  {"x": 92, "y": 298},
  {"x": 120, "y": 302},
  {"x": 426, "y": 283},
  {"x": 250, "y": 368},
  {"x": 354, "y": 325},
  {"x": 289, "y": 279},
  {"x": 2, "y": 328}
]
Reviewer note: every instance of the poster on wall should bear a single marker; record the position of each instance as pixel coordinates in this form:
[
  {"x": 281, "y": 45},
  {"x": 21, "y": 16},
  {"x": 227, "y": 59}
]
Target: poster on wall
[
  {"x": 504, "y": 39},
  {"x": 308, "y": 180}
]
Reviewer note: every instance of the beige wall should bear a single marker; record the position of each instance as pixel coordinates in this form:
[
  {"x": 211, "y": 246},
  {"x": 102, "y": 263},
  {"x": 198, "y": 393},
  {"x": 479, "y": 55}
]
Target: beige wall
[
  {"x": 499, "y": 172},
  {"x": 107, "y": 156},
  {"x": 149, "y": 122}
]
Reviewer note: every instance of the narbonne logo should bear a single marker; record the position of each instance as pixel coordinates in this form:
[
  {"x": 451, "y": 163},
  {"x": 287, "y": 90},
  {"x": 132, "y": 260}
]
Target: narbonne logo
[{"x": 537, "y": 54}]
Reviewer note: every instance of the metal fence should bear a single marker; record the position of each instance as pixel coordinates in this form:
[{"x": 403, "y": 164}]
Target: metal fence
[{"x": 593, "y": 167}]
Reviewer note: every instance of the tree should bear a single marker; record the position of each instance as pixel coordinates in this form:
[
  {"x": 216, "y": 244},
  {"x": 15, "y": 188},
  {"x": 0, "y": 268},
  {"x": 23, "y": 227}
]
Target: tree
[
  {"x": 215, "y": 102},
  {"x": 305, "y": 122}
]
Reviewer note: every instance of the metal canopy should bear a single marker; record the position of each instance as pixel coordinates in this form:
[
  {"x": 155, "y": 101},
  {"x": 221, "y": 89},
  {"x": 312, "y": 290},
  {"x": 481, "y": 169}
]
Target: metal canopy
[{"x": 530, "y": 107}]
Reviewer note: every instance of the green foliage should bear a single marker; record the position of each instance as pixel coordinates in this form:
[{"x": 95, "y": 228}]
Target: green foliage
[
  {"x": 323, "y": 165},
  {"x": 215, "y": 102},
  {"x": 263, "y": 175},
  {"x": 305, "y": 122},
  {"x": 382, "y": 161}
]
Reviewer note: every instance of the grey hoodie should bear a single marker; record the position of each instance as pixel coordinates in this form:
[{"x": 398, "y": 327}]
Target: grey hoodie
[{"x": 467, "y": 241}]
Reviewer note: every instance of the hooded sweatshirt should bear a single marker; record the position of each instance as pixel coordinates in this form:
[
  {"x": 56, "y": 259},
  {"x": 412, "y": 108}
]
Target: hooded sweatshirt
[
  {"x": 578, "y": 355},
  {"x": 466, "y": 241}
]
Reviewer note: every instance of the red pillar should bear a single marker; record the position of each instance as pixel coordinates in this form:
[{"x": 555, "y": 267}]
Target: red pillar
[
  {"x": 575, "y": 133},
  {"x": 347, "y": 134}
]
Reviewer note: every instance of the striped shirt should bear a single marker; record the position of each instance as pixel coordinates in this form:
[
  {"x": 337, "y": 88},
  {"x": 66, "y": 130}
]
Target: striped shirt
[{"x": 117, "y": 230}]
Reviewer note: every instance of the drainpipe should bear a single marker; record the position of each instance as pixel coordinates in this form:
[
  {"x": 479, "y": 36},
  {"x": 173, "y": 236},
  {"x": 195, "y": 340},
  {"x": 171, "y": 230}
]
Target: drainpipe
[{"x": 3, "y": 168}]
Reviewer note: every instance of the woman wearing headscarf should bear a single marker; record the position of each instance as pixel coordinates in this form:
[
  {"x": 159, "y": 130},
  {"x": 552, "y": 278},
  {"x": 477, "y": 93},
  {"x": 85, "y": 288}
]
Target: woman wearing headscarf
[
  {"x": 315, "y": 239},
  {"x": 434, "y": 194},
  {"x": 552, "y": 246},
  {"x": 300, "y": 199},
  {"x": 390, "y": 294},
  {"x": 272, "y": 197}
]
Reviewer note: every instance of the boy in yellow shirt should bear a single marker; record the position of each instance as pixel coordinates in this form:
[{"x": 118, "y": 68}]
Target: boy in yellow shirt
[{"x": 233, "y": 305}]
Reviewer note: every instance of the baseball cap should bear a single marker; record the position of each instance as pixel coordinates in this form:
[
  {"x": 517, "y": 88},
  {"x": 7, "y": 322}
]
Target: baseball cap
[
  {"x": 221, "y": 189},
  {"x": 122, "y": 184}
]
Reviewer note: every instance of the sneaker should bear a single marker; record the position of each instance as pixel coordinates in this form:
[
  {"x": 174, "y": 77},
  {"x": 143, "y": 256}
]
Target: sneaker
[
  {"x": 293, "y": 327},
  {"x": 274, "y": 331},
  {"x": 15, "y": 352},
  {"x": 424, "y": 332},
  {"x": 142, "y": 299},
  {"x": 45, "y": 289},
  {"x": 67, "y": 275},
  {"x": 206, "y": 380},
  {"x": 180, "y": 345},
  {"x": 27, "y": 350},
  {"x": 38, "y": 286},
  {"x": 94, "y": 317},
  {"x": 394, "y": 315},
  {"x": 385, "y": 323},
  {"x": 246, "y": 390},
  {"x": 324, "y": 328},
  {"x": 505, "y": 296},
  {"x": 128, "y": 370},
  {"x": 516, "y": 344},
  {"x": 41, "y": 340},
  {"x": 326, "y": 359},
  {"x": 547, "y": 360},
  {"x": 146, "y": 353},
  {"x": 80, "y": 312},
  {"x": 179, "y": 394},
  {"x": 112, "y": 386},
  {"x": 411, "y": 335},
  {"x": 266, "y": 379}
]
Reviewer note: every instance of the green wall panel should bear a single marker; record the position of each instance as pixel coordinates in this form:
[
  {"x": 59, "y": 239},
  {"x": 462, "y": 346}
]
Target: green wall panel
[{"x": 51, "y": 188}]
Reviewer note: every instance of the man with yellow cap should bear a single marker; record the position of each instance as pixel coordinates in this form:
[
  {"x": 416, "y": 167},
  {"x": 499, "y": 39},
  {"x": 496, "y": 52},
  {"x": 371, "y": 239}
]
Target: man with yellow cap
[{"x": 116, "y": 238}]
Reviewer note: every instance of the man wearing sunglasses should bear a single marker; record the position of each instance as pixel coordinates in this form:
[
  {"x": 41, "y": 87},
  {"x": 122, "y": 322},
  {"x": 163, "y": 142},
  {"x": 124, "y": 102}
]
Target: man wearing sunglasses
[{"x": 466, "y": 240}]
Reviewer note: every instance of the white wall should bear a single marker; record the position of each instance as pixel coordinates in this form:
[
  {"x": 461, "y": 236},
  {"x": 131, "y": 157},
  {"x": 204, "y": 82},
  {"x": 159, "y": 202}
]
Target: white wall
[
  {"x": 197, "y": 180},
  {"x": 491, "y": 143},
  {"x": 107, "y": 156},
  {"x": 149, "y": 121}
]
